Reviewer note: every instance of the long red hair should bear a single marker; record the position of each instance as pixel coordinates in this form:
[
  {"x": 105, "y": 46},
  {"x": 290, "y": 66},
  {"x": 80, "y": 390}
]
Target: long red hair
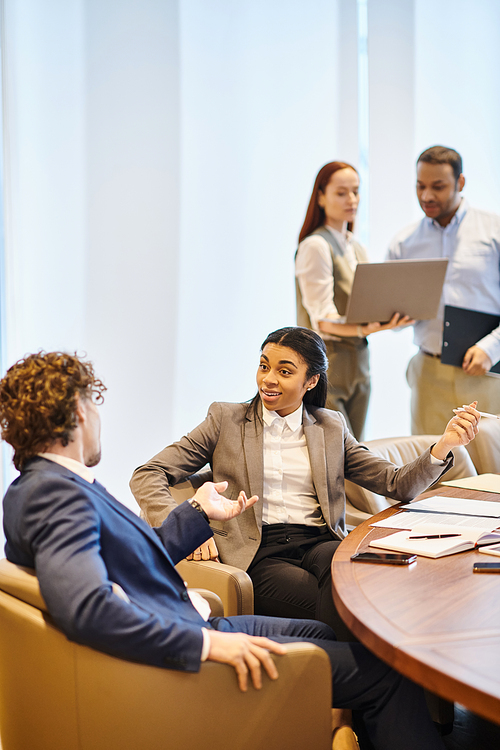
[{"x": 315, "y": 216}]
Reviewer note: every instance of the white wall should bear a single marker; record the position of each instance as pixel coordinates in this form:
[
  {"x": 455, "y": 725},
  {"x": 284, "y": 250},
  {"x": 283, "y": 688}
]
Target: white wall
[
  {"x": 44, "y": 176},
  {"x": 457, "y": 89},
  {"x": 91, "y": 101},
  {"x": 260, "y": 114},
  {"x": 157, "y": 180},
  {"x": 132, "y": 216}
]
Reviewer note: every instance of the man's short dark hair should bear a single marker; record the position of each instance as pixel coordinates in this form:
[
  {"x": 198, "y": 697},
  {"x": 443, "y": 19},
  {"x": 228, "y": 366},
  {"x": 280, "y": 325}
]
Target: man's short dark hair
[
  {"x": 443, "y": 155},
  {"x": 38, "y": 401}
]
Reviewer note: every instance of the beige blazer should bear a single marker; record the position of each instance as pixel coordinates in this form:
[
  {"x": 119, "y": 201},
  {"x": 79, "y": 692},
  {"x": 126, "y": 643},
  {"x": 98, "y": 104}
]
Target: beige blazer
[{"x": 230, "y": 440}]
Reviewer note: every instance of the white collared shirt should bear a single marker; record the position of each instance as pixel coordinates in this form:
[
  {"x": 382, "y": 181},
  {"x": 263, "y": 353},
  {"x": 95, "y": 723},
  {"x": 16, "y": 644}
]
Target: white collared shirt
[
  {"x": 289, "y": 495},
  {"x": 72, "y": 464}
]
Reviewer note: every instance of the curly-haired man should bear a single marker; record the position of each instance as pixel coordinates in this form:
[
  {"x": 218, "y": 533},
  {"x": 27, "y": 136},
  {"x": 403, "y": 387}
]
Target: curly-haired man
[
  {"x": 39, "y": 402},
  {"x": 83, "y": 542}
]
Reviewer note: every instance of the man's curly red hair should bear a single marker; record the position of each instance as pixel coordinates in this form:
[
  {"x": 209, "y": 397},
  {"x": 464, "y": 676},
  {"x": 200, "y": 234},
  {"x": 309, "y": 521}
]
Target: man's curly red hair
[{"x": 38, "y": 401}]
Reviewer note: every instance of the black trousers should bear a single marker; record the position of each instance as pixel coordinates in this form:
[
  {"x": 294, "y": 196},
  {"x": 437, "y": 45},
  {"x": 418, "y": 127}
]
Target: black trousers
[
  {"x": 389, "y": 711},
  {"x": 291, "y": 575}
]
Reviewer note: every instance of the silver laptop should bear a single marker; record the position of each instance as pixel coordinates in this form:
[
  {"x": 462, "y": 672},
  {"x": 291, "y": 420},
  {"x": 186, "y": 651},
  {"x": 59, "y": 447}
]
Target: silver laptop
[{"x": 409, "y": 287}]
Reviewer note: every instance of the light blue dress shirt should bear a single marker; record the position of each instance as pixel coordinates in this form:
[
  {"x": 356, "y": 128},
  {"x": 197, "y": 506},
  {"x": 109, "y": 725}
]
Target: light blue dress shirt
[{"x": 471, "y": 241}]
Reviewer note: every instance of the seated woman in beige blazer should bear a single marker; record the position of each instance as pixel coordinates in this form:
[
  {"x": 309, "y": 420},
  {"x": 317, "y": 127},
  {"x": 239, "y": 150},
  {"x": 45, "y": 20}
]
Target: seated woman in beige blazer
[{"x": 294, "y": 454}]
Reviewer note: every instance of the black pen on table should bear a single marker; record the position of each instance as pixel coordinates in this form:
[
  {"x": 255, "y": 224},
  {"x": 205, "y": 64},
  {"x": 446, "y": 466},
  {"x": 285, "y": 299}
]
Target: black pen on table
[{"x": 434, "y": 536}]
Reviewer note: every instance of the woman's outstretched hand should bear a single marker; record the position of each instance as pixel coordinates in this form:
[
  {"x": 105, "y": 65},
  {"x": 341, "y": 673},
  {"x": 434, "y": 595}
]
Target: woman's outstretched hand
[{"x": 219, "y": 508}]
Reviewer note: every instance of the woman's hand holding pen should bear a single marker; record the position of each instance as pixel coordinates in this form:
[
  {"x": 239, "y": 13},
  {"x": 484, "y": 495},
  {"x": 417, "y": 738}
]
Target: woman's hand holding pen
[{"x": 460, "y": 430}]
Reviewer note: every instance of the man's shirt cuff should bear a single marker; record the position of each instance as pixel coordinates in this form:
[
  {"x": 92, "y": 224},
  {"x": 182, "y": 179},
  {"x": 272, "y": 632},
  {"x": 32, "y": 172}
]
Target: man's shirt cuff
[{"x": 206, "y": 644}]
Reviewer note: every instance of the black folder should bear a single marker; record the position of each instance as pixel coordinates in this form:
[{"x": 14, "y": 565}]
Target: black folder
[{"x": 462, "y": 329}]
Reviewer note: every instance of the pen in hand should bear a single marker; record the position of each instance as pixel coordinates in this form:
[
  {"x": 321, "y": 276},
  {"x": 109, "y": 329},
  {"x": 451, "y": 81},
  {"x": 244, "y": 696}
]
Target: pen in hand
[
  {"x": 434, "y": 536},
  {"x": 482, "y": 413}
]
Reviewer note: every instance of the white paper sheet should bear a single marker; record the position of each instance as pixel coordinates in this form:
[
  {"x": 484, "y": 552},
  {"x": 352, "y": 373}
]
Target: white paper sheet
[
  {"x": 457, "y": 505},
  {"x": 409, "y": 520}
]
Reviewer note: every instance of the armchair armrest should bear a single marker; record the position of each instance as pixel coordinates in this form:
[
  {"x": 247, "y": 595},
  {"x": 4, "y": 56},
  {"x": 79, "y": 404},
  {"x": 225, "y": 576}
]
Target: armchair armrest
[
  {"x": 233, "y": 585},
  {"x": 292, "y": 711},
  {"x": 485, "y": 448},
  {"x": 22, "y": 583},
  {"x": 362, "y": 503}
]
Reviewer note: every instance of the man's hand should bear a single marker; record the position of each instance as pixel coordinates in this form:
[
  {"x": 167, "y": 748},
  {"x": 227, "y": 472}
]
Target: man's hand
[
  {"x": 460, "y": 430},
  {"x": 476, "y": 361},
  {"x": 207, "y": 551},
  {"x": 246, "y": 653},
  {"x": 219, "y": 508}
]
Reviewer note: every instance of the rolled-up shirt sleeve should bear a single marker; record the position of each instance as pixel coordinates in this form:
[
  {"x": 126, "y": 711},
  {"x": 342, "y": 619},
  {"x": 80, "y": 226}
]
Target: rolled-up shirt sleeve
[
  {"x": 314, "y": 272},
  {"x": 491, "y": 345}
]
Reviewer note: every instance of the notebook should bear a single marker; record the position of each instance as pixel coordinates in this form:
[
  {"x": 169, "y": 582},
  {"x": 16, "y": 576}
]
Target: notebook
[
  {"x": 409, "y": 287},
  {"x": 481, "y": 482},
  {"x": 467, "y": 538}
]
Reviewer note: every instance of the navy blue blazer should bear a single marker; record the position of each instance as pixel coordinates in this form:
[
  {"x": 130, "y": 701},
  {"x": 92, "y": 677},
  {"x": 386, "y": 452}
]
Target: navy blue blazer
[{"x": 80, "y": 540}]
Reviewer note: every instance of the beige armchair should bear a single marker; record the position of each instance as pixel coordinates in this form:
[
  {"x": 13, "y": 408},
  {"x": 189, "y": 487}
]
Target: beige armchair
[
  {"x": 60, "y": 695},
  {"x": 361, "y": 503},
  {"x": 485, "y": 448}
]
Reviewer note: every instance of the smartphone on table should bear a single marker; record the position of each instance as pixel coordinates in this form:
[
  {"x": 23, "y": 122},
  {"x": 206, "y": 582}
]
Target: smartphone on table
[
  {"x": 387, "y": 558},
  {"x": 492, "y": 567}
]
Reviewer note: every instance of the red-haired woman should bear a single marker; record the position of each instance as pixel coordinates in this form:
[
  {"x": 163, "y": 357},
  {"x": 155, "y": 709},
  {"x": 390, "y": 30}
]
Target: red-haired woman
[{"x": 324, "y": 268}]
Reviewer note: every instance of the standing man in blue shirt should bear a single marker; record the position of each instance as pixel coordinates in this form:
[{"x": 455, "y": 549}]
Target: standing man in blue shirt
[{"x": 470, "y": 239}]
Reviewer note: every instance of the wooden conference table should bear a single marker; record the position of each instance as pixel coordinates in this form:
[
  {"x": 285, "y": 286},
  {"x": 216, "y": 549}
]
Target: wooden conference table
[{"x": 434, "y": 621}]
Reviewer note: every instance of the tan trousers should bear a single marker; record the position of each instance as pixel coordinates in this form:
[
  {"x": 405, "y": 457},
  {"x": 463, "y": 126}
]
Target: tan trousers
[
  {"x": 437, "y": 389},
  {"x": 349, "y": 381}
]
